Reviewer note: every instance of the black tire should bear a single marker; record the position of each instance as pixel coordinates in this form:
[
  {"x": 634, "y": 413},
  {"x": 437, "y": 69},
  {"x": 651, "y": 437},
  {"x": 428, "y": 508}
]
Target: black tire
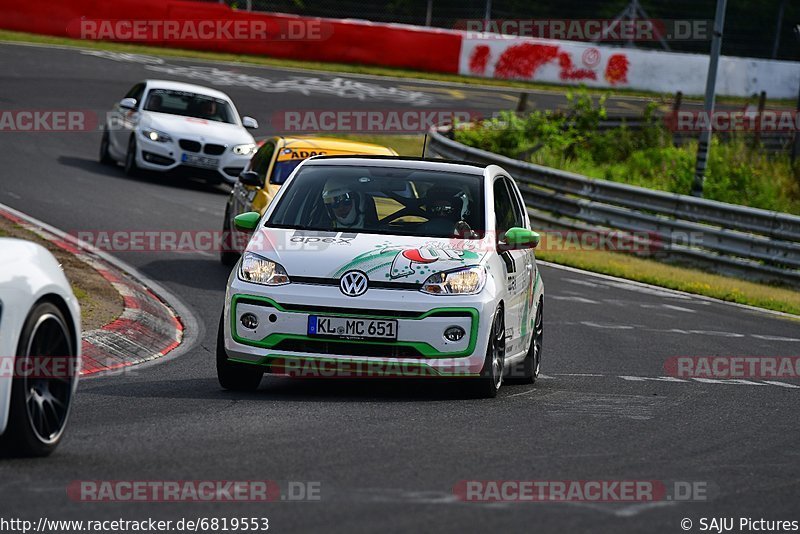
[
  {"x": 131, "y": 169},
  {"x": 105, "y": 157},
  {"x": 232, "y": 375},
  {"x": 528, "y": 371},
  {"x": 488, "y": 384},
  {"x": 40, "y": 405},
  {"x": 227, "y": 256}
]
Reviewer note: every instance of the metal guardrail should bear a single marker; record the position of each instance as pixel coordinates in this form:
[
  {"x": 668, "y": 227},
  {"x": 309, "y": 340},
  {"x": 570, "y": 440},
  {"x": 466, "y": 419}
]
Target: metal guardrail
[{"x": 738, "y": 240}]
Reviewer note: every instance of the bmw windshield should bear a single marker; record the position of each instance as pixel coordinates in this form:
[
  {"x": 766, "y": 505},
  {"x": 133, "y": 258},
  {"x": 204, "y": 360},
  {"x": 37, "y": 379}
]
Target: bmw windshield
[
  {"x": 382, "y": 200},
  {"x": 189, "y": 105}
]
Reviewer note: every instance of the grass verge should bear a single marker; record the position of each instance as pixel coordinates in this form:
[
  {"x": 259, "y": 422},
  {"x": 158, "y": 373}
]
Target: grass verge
[
  {"x": 100, "y": 302},
  {"x": 6, "y": 35},
  {"x": 680, "y": 278}
]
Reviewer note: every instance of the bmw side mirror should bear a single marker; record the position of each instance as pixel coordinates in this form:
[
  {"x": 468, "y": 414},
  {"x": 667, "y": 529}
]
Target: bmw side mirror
[
  {"x": 251, "y": 178},
  {"x": 519, "y": 238},
  {"x": 250, "y": 122},
  {"x": 247, "y": 222},
  {"x": 128, "y": 103}
]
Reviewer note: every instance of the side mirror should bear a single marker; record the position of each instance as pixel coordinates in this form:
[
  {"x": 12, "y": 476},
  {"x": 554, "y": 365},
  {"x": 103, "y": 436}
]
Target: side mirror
[
  {"x": 247, "y": 222},
  {"x": 251, "y": 178},
  {"x": 518, "y": 238},
  {"x": 128, "y": 103},
  {"x": 249, "y": 122}
]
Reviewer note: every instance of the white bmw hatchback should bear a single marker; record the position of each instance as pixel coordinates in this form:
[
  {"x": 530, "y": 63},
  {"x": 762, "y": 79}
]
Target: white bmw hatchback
[
  {"x": 180, "y": 128},
  {"x": 385, "y": 266}
]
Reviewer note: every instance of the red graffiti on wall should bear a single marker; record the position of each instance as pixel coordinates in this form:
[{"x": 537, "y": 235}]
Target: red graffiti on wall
[
  {"x": 478, "y": 59},
  {"x": 617, "y": 69},
  {"x": 522, "y": 61},
  {"x": 569, "y": 72}
]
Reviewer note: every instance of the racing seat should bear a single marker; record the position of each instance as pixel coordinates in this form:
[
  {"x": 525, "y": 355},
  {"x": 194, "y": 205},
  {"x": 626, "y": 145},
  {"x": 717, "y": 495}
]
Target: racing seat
[{"x": 370, "y": 211}]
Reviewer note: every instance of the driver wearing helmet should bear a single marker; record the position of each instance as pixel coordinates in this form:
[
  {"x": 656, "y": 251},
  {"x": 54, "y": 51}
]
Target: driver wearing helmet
[
  {"x": 345, "y": 207},
  {"x": 447, "y": 207}
]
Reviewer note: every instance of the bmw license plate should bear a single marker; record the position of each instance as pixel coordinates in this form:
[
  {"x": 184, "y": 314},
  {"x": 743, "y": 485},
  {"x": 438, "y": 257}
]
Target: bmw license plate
[
  {"x": 200, "y": 161},
  {"x": 349, "y": 328}
]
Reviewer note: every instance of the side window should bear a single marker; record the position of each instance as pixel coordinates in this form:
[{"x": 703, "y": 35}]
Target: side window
[
  {"x": 137, "y": 92},
  {"x": 503, "y": 208},
  {"x": 519, "y": 206},
  {"x": 260, "y": 162}
]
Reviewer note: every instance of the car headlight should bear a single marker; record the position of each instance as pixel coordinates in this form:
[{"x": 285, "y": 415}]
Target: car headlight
[
  {"x": 461, "y": 282},
  {"x": 155, "y": 135},
  {"x": 260, "y": 270},
  {"x": 244, "y": 150}
]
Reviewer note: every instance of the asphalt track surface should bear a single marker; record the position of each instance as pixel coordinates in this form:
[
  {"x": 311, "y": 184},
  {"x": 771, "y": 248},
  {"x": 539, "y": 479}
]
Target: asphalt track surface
[{"x": 387, "y": 453}]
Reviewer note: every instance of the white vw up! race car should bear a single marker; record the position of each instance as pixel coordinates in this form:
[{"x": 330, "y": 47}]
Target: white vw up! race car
[{"x": 386, "y": 266}]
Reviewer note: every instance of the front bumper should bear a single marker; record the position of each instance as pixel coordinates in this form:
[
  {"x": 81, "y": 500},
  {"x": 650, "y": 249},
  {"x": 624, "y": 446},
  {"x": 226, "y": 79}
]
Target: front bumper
[
  {"x": 282, "y": 345},
  {"x": 168, "y": 157}
]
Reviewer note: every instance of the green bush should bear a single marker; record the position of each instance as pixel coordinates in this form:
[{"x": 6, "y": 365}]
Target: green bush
[{"x": 737, "y": 172}]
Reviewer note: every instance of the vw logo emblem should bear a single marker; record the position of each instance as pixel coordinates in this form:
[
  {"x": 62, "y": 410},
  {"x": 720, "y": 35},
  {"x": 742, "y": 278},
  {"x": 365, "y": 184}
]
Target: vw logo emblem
[{"x": 353, "y": 283}]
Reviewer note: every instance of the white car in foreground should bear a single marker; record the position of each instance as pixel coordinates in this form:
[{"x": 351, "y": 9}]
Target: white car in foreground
[
  {"x": 384, "y": 266},
  {"x": 180, "y": 128},
  {"x": 40, "y": 349}
]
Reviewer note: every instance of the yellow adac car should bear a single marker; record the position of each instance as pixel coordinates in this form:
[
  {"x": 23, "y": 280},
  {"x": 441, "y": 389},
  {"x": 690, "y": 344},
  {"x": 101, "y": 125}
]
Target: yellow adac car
[{"x": 272, "y": 164}]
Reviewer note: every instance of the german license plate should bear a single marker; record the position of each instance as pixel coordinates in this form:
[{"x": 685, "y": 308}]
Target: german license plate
[
  {"x": 349, "y": 328},
  {"x": 200, "y": 161}
]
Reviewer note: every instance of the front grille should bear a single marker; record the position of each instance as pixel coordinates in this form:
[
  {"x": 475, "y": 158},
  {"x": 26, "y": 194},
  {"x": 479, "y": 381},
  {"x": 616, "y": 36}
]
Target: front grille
[
  {"x": 214, "y": 150},
  {"x": 189, "y": 145},
  {"x": 303, "y": 308},
  {"x": 319, "y": 346}
]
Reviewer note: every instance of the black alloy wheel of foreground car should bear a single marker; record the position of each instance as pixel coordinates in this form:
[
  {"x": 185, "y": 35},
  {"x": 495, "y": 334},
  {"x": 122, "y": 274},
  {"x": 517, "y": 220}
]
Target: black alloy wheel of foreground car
[{"x": 40, "y": 404}]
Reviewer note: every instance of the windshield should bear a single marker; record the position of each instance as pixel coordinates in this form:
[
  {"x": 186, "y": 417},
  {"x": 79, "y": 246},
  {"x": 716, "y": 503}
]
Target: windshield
[
  {"x": 283, "y": 169},
  {"x": 383, "y": 200},
  {"x": 189, "y": 105}
]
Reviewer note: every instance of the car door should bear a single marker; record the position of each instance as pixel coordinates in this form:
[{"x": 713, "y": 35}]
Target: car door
[
  {"x": 508, "y": 215},
  {"x": 528, "y": 280},
  {"x": 123, "y": 121}
]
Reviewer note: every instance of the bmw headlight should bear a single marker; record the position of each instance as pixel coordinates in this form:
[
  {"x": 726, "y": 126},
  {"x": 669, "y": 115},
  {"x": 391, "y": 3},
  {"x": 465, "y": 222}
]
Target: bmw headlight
[
  {"x": 155, "y": 135},
  {"x": 461, "y": 282},
  {"x": 244, "y": 150},
  {"x": 260, "y": 270}
]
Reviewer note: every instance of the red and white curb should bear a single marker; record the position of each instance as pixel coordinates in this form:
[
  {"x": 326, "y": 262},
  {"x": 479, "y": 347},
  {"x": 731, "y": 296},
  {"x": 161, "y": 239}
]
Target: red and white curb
[{"x": 148, "y": 328}]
